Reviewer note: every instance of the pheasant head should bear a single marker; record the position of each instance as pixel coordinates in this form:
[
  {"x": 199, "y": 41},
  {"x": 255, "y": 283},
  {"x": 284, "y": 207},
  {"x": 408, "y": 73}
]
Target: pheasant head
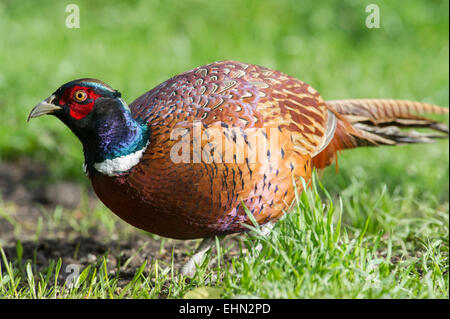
[{"x": 100, "y": 119}]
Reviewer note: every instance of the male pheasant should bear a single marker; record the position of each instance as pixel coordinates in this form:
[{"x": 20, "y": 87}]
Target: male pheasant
[{"x": 132, "y": 154}]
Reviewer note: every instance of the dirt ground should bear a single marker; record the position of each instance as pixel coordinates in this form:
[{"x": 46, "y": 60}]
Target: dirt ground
[{"x": 25, "y": 191}]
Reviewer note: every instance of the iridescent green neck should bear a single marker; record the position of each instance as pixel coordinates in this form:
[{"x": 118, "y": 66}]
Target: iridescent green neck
[{"x": 116, "y": 135}]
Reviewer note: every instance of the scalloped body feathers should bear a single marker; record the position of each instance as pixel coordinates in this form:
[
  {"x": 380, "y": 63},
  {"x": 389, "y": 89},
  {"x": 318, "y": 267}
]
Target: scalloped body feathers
[{"x": 187, "y": 200}]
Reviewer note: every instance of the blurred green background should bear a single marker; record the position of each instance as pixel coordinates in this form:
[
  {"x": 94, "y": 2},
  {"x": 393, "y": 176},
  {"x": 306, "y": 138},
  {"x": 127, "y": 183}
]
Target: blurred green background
[{"x": 135, "y": 45}]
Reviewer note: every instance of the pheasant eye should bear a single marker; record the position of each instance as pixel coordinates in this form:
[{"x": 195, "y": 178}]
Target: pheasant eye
[{"x": 80, "y": 96}]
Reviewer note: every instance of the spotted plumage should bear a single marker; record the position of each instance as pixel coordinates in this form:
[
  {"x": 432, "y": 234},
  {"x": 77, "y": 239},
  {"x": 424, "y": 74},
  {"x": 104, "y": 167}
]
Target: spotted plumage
[{"x": 130, "y": 151}]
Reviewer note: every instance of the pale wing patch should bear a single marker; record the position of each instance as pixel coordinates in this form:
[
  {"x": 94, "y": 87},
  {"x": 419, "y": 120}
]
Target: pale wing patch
[{"x": 330, "y": 129}]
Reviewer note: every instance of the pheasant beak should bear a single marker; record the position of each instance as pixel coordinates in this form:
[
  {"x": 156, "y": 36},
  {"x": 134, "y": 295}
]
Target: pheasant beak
[{"x": 45, "y": 107}]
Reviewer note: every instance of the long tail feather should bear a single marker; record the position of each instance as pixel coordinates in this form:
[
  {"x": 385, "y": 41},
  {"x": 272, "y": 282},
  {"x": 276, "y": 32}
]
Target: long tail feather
[{"x": 373, "y": 122}]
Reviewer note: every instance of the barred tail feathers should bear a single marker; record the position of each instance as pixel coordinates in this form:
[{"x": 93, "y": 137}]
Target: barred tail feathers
[{"x": 373, "y": 122}]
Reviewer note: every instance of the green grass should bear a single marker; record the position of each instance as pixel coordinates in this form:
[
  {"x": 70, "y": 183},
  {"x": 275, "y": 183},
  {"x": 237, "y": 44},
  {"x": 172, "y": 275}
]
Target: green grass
[
  {"x": 383, "y": 232},
  {"x": 309, "y": 254}
]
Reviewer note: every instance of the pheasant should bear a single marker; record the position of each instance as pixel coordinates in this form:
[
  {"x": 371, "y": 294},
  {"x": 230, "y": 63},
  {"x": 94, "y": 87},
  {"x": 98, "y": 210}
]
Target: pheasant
[{"x": 188, "y": 158}]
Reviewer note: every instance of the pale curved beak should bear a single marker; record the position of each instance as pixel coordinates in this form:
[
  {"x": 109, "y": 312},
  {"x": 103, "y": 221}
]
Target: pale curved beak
[{"x": 45, "y": 107}]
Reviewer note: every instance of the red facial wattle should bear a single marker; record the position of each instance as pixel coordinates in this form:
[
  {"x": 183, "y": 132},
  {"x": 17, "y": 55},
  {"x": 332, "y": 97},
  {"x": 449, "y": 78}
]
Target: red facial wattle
[{"x": 79, "y": 110}]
